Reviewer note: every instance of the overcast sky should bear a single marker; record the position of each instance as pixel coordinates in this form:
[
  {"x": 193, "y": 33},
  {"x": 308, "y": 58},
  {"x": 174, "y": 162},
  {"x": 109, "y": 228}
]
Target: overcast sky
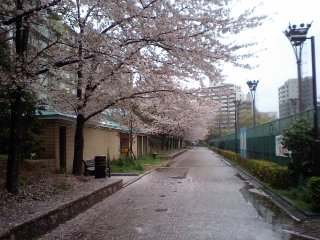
[{"x": 276, "y": 59}]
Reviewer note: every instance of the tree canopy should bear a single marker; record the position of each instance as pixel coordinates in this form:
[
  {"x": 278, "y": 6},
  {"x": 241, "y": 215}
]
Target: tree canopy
[{"x": 88, "y": 56}]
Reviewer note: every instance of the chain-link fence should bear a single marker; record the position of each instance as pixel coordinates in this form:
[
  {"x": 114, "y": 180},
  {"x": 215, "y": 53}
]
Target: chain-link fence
[{"x": 260, "y": 141}]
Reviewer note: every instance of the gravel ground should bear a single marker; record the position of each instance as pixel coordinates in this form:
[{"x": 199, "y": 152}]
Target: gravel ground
[{"x": 42, "y": 190}]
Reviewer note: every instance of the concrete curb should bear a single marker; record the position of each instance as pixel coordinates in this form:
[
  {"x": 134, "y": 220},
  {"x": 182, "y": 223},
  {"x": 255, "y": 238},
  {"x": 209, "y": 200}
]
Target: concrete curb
[
  {"x": 50, "y": 220},
  {"x": 177, "y": 154},
  {"x": 124, "y": 174},
  {"x": 137, "y": 178},
  {"x": 165, "y": 165},
  {"x": 278, "y": 200}
]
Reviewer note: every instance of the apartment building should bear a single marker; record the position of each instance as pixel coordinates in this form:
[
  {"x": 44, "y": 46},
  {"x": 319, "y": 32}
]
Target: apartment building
[
  {"x": 226, "y": 94},
  {"x": 288, "y": 95}
]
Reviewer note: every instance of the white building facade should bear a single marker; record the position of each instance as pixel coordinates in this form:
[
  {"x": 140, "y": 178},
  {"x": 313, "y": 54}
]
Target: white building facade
[
  {"x": 226, "y": 94},
  {"x": 288, "y": 95}
]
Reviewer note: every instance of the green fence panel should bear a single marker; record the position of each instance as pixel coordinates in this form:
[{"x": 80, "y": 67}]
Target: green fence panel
[{"x": 261, "y": 139}]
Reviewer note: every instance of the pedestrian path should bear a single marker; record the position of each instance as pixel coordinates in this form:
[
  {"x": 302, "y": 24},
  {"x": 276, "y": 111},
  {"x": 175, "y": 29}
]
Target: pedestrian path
[
  {"x": 197, "y": 197},
  {"x": 68, "y": 206}
]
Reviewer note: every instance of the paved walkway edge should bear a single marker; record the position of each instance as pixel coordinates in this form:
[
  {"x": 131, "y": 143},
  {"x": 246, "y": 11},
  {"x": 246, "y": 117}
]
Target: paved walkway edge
[
  {"x": 165, "y": 165},
  {"x": 172, "y": 156},
  {"x": 278, "y": 200},
  {"x": 50, "y": 220}
]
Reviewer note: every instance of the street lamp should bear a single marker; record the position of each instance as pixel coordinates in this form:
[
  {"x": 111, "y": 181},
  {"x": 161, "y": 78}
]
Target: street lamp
[
  {"x": 297, "y": 36},
  {"x": 236, "y": 121},
  {"x": 253, "y": 87}
]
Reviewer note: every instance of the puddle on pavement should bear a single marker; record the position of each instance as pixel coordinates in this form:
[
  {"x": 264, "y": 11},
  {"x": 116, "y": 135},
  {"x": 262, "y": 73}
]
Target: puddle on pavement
[
  {"x": 270, "y": 213},
  {"x": 177, "y": 177},
  {"x": 266, "y": 209},
  {"x": 162, "y": 169},
  {"x": 161, "y": 210},
  {"x": 241, "y": 177}
]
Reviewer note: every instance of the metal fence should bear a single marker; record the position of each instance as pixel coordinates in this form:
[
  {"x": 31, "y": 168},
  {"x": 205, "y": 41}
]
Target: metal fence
[{"x": 260, "y": 141}]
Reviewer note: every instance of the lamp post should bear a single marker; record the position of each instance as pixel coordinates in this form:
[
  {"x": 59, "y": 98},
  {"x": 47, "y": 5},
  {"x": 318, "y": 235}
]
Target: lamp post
[
  {"x": 297, "y": 36},
  {"x": 236, "y": 120},
  {"x": 253, "y": 87},
  {"x": 315, "y": 109},
  {"x": 314, "y": 85}
]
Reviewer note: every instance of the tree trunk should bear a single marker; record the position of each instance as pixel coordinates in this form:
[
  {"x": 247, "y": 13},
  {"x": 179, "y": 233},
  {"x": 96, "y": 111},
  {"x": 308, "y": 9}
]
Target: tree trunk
[
  {"x": 16, "y": 105},
  {"x": 15, "y": 142},
  {"x": 163, "y": 139},
  {"x": 78, "y": 146},
  {"x": 130, "y": 150}
]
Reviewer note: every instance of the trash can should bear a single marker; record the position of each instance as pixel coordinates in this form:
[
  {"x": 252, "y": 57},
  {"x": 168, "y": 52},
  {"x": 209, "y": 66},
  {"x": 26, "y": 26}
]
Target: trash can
[{"x": 100, "y": 163}]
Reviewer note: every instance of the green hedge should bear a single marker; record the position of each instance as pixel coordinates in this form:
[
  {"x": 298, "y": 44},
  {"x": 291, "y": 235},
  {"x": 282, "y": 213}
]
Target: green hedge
[
  {"x": 271, "y": 173},
  {"x": 234, "y": 157},
  {"x": 313, "y": 186},
  {"x": 275, "y": 175}
]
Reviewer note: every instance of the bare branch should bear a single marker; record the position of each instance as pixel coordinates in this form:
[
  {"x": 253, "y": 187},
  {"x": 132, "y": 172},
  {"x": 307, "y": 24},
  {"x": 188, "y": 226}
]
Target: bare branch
[
  {"x": 63, "y": 63},
  {"x": 30, "y": 11},
  {"x": 116, "y": 23},
  {"x": 132, "y": 96},
  {"x": 42, "y": 51}
]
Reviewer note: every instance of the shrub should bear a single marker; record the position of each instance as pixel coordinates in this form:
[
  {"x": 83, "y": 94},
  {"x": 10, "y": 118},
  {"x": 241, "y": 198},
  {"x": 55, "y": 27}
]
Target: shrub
[
  {"x": 299, "y": 139},
  {"x": 279, "y": 177},
  {"x": 234, "y": 157},
  {"x": 271, "y": 173},
  {"x": 313, "y": 186}
]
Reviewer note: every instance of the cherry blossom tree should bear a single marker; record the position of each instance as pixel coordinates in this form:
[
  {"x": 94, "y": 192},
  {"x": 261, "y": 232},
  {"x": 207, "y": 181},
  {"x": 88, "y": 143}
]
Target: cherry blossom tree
[
  {"x": 17, "y": 18},
  {"x": 118, "y": 50},
  {"x": 186, "y": 115}
]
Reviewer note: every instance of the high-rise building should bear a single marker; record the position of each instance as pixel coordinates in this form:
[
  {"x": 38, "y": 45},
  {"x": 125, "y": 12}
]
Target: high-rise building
[
  {"x": 226, "y": 94},
  {"x": 289, "y": 96}
]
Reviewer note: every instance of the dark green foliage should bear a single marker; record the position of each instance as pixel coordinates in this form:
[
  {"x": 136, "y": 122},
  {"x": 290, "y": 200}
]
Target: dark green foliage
[
  {"x": 275, "y": 175},
  {"x": 299, "y": 140},
  {"x": 31, "y": 125},
  {"x": 313, "y": 186},
  {"x": 299, "y": 197}
]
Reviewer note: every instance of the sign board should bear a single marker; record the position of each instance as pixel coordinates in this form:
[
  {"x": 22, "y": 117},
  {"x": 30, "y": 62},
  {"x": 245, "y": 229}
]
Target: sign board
[
  {"x": 243, "y": 142},
  {"x": 124, "y": 150},
  {"x": 281, "y": 151}
]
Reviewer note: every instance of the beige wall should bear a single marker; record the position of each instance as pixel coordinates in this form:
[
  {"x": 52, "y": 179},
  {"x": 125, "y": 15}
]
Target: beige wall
[
  {"x": 97, "y": 141},
  {"x": 71, "y": 128},
  {"x": 50, "y": 141}
]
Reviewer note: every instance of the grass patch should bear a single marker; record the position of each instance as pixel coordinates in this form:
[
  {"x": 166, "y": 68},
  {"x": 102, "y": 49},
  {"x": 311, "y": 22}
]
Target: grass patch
[
  {"x": 126, "y": 165},
  {"x": 298, "y": 196}
]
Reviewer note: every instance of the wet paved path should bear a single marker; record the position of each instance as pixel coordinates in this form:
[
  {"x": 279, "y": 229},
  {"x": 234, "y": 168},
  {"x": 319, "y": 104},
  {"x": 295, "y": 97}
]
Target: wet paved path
[{"x": 197, "y": 197}]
